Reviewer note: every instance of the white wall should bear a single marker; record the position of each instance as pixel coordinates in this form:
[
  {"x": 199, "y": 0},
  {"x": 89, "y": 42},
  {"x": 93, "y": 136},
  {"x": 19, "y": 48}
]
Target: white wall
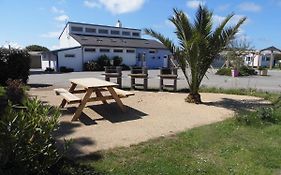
[
  {"x": 48, "y": 60},
  {"x": 128, "y": 58},
  {"x": 71, "y": 62},
  {"x": 67, "y": 41}
]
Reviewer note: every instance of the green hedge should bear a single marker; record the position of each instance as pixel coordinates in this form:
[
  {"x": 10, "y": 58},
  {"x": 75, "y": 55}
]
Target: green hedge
[
  {"x": 14, "y": 64},
  {"x": 243, "y": 71}
]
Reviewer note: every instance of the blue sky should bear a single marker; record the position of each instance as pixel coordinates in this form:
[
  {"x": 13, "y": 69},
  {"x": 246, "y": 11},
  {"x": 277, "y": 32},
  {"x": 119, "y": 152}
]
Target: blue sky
[{"x": 40, "y": 21}]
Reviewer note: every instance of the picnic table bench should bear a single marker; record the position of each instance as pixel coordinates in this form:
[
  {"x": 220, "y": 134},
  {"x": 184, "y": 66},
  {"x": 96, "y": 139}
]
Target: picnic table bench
[{"x": 91, "y": 85}]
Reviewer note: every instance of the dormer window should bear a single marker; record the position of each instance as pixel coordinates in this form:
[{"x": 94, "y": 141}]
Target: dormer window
[
  {"x": 76, "y": 29},
  {"x": 125, "y": 33},
  {"x": 103, "y": 31},
  {"x": 136, "y": 34},
  {"x": 115, "y": 32},
  {"x": 91, "y": 30}
]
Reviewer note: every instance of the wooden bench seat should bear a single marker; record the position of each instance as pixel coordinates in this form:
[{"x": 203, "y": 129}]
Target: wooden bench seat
[
  {"x": 69, "y": 97},
  {"x": 121, "y": 93}
]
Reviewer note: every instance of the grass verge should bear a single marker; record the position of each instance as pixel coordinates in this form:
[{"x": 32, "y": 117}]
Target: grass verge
[{"x": 247, "y": 144}]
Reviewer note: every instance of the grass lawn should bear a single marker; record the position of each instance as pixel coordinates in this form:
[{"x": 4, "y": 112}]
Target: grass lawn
[{"x": 228, "y": 147}]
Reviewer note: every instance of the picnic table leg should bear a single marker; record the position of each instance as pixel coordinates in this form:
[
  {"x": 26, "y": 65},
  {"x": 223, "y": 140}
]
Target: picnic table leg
[
  {"x": 82, "y": 104},
  {"x": 71, "y": 89},
  {"x": 99, "y": 94},
  {"x": 116, "y": 98}
]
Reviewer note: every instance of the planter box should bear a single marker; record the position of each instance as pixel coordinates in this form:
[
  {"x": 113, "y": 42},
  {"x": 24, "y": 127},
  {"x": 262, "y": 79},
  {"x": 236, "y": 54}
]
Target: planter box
[
  {"x": 263, "y": 72},
  {"x": 234, "y": 73}
]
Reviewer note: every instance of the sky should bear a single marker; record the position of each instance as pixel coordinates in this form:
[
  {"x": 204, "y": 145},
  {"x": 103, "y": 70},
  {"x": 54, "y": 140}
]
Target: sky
[{"x": 41, "y": 21}]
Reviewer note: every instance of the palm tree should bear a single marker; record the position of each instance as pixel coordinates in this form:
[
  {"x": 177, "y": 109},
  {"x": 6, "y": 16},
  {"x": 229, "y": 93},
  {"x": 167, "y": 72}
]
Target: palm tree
[{"x": 198, "y": 45}]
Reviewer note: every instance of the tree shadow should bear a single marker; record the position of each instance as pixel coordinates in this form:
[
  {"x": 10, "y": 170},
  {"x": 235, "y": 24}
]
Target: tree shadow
[
  {"x": 35, "y": 85},
  {"x": 239, "y": 106},
  {"x": 114, "y": 114}
]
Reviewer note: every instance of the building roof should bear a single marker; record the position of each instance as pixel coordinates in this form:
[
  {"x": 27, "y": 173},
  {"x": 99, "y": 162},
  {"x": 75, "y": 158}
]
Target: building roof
[
  {"x": 272, "y": 48},
  {"x": 86, "y": 40},
  {"x": 79, "y": 23}
]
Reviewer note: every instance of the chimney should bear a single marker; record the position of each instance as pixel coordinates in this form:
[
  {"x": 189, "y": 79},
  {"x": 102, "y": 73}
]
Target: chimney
[{"x": 119, "y": 24}]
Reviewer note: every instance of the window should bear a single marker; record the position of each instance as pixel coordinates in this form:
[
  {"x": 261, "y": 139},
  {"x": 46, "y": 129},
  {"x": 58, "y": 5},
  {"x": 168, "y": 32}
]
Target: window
[
  {"x": 77, "y": 29},
  {"x": 91, "y": 30},
  {"x": 125, "y": 33},
  {"x": 136, "y": 34},
  {"x": 90, "y": 49},
  {"x": 69, "y": 55},
  {"x": 130, "y": 51},
  {"x": 103, "y": 31},
  {"x": 104, "y": 50},
  {"x": 118, "y": 50},
  {"x": 152, "y": 51},
  {"x": 115, "y": 32}
]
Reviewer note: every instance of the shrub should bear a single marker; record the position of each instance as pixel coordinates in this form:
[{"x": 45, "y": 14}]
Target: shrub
[
  {"x": 263, "y": 116},
  {"x": 49, "y": 69},
  {"x": 117, "y": 60},
  {"x": 14, "y": 64},
  {"x": 246, "y": 71},
  {"x": 224, "y": 71},
  {"x": 103, "y": 61},
  {"x": 125, "y": 67},
  {"x": 15, "y": 91},
  {"x": 64, "y": 69},
  {"x": 27, "y": 145},
  {"x": 91, "y": 66}
]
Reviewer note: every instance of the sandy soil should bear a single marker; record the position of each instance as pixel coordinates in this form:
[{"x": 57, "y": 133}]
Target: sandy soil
[{"x": 149, "y": 115}]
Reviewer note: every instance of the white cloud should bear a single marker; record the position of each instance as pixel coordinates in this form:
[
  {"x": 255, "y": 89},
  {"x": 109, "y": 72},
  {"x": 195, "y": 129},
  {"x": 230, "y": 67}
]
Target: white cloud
[
  {"x": 54, "y": 47},
  {"x": 92, "y": 4},
  {"x": 194, "y": 4},
  {"x": 12, "y": 44},
  {"x": 56, "y": 10},
  {"x": 116, "y": 6},
  {"x": 223, "y": 7},
  {"x": 62, "y": 18},
  {"x": 234, "y": 20},
  {"x": 249, "y": 7},
  {"x": 51, "y": 34}
]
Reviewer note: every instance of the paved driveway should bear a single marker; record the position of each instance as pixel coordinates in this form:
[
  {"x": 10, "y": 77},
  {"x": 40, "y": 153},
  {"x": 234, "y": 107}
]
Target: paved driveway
[{"x": 270, "y": 83}]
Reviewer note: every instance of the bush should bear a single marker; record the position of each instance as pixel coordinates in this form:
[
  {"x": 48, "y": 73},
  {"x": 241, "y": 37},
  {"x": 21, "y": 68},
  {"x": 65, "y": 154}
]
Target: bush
[
  {"x": 14, "y": 64},
  {"x": 246, "y": 71},
  {"x": 27, "y": 144},
  {"x": 117, "y": 60},
  {"x": 103, "y": 61},
  {"x": 263, "y": 116},
  {"x": 49, "y": 69},
  {"x": 125, "y": 67},
  {"x": 15, "y": 91},
  {"x": 91, "y": 66},
  {"x": 224, "y": 71},
  {"x": 64, "y": 69}
]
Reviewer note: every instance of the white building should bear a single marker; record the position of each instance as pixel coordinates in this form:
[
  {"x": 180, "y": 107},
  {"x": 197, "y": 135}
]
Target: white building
[{"x": 81, "y": 42}]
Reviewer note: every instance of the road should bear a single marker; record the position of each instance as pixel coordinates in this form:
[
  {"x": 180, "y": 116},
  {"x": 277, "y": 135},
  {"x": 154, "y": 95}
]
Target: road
[{"x": 271, "y": 83}]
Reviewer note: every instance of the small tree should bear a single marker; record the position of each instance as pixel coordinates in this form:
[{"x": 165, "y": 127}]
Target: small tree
[
  {"x": 236, "y": 51},
  {"x": 199, "y": 44},
  {"x": 36, "y": 48}
]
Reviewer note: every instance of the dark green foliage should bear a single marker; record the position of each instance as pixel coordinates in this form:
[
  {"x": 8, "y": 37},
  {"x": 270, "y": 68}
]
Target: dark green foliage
[
  {"x": 64, "y": 69},
  {"x": 91, "y": 66},
  {"x": 224, "y": 71},
  {"x": 125, "y": 67},
  {"x": 27, "y": 145},
  {"x": 103, "y": 61},
  {"x": 199, "y": 44},
  {"x": 117, "y": 60},
  {"x": 37, "y": 48},
  {"x": 97, "y": 65},
  {"x": 49, "y": 69},
  {"x": 14, "y": 64},
  {"x": 246, "y": 71},
  {"x": 243, "y": 71},
  {"x": 262, "y": 68},
  {"x": 15, "y": 91}
]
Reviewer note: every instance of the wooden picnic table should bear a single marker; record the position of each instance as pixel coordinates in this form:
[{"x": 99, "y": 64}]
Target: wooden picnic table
[{"x": 90, "y": 86}]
